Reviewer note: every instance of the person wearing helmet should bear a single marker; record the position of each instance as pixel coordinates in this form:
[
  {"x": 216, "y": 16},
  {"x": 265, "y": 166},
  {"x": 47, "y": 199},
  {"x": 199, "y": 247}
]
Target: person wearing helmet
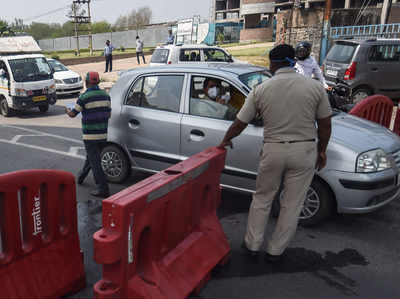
[{"x": 306, "y": 63}]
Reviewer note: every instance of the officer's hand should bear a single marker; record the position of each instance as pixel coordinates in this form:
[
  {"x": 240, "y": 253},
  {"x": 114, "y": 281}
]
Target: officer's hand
[
  {"x": 321, "y": 161},
  {"x": 224, "y": 144}
]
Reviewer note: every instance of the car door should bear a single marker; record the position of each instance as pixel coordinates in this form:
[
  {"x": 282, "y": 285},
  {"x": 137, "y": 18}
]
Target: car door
[
  {"x": 151, "y": 116},
  {"x": 205, "y": 127},
  {"x": 384, "y": 63}
]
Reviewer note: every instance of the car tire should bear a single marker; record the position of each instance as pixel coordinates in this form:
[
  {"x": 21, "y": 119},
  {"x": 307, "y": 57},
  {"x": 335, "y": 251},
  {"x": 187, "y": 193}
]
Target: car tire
[
  {"x": 360, "y": 93},
  {"x": 44, "y": 108},
  {"x": 115, "y": 163},
  {"x": 5, "y": 110},
  {"x": 318, "y": 206}
]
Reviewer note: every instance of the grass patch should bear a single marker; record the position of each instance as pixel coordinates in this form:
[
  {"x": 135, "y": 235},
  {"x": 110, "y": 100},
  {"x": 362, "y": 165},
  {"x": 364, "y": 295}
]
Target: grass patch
[
  {"x": 68, "y": 54},
  {"x": 260, "y": 51}
]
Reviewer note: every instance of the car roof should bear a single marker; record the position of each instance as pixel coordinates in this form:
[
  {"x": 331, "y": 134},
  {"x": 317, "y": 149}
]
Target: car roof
[
  {"x": 188, "y": 46},
  {"x": 211, "y": 68}
]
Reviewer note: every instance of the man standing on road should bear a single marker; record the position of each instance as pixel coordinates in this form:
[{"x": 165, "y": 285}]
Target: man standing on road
[
  {"x": 108, "y": 55},
  {"x": 139, "y": 50},
  {"x": 290, "y": 105},
  {"x": 171, "y": 38},
  {"x": 95, "y": 106}
]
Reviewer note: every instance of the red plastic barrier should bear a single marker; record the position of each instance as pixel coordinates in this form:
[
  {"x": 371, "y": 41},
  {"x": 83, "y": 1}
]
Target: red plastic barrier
[
  {"x": 40, "y": 256},
  {"x": 396, "y": 127},
  {"x": 376, "y": 108},
  {"x": 161, "y": 237}
]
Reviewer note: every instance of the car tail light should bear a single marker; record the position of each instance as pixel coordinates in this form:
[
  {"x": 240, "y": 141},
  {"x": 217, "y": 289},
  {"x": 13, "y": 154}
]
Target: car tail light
[
  {"x": 169, "y": 62},
  {"x": 350, "y": 73}
]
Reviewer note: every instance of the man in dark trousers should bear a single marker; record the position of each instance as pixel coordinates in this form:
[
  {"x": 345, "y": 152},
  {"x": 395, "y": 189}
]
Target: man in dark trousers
[
  {"x": 108, "y": 55},
  {"x": 290, "y": 106},
  {"x": 139, "y": 50},
  {"x": 95, "y": 106}
]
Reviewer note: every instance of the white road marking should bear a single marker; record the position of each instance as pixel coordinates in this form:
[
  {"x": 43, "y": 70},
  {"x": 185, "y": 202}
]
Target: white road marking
[
  {"x": 44, "y": 134},
  {"x": 73, "y": 155},
  {"x": 17, "y": 137},
  {"x": 74, "y": 150}
]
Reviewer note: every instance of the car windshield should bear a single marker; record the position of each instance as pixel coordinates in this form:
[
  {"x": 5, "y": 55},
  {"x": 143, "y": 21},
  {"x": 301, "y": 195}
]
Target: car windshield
[
  {"x": 251, "y": 80},
  {"x": 341, "y": 52},
  {"x": 57, "y": 66},
  {"x": 30, "y": 69},
  {"x": 160, "y": 56}
]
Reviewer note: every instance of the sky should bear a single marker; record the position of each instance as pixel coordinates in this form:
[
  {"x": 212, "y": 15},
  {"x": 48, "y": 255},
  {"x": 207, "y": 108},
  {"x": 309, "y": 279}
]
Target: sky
[{"x": 108, "y": 10}]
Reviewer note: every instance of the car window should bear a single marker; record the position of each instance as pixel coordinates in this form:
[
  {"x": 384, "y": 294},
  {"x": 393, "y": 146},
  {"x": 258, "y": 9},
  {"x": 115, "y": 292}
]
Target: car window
[
  {"x": 251, "y": 80},
  {"x": 157, "y": 92},
  {"x": 225, "y": 105},
  {"x": 384, "y": 53},
  {"x": 341, "y": 52},
  {"x": 215, "y": 55},
  {"x": 189, "y": 55},
  {"x": 160, "y": 56}
]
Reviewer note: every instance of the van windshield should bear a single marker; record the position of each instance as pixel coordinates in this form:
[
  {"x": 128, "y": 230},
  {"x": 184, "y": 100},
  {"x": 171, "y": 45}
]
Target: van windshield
[
  {"x": 341, "y": 52},
  {"x": 30, "y": 69},
  {"x": 160, "y": 56}
]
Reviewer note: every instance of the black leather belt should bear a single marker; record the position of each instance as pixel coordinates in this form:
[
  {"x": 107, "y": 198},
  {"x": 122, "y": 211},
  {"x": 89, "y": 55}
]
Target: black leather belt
[{"x": 294, "y": 141}]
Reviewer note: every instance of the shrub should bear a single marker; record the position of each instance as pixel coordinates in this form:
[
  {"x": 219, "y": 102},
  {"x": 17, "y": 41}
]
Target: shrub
[
  {"x": 55, "y": 56},
  {"x": 122, "y": 49}
]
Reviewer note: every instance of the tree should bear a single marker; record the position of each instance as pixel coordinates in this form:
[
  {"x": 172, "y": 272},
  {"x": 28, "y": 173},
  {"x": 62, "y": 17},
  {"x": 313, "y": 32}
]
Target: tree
[
  {"x": 5, "y": 29},
  {"x": 101, "y": 27},
  {"x": 136, "y": 19},
  {"x": 19, "y": 26}
]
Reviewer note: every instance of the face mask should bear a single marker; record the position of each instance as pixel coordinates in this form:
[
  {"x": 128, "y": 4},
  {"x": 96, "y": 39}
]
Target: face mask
[
  {"x": 226, "y": 97},
  {"x": 213, "y": 92}
]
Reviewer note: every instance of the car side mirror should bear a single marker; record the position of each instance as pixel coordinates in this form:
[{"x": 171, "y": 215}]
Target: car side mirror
[
  {"x": 230, "y": 59},
  {"x": 2, "y": 73}
]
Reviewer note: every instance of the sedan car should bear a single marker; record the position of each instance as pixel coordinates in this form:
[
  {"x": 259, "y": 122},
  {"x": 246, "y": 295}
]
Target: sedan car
[
  {"x": 156, "y": 122},
  {"x": 67, "y": 81}
]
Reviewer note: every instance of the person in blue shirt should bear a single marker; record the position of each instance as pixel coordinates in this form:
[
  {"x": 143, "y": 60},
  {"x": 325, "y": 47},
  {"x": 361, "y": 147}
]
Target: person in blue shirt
[
  {"x": 171, "y": 38},
  {"x": 108, "y": 55}
]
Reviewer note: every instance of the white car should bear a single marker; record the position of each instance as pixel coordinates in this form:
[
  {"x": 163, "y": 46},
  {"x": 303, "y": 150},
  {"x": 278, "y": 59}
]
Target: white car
[
  {"x": 197, "y": 53},
  {"x": 67, "y": 81}
]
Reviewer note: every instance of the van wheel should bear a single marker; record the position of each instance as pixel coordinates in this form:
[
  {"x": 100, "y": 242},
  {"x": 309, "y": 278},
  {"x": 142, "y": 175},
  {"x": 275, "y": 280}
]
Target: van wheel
[
  {"x": 360, "y": 94},
  {"x": 4, "y": 109},
  {"x": 44, "y": 108},
  {"x": 115, "y": 164},
  {"x": 318, "y": 206}
]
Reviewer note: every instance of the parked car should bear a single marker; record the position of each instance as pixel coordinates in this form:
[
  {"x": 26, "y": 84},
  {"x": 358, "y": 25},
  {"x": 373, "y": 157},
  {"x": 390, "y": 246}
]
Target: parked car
[
  {"x": 369, "y": 66},
  {"x": 182, "y": 53},
  {"x": 67, "y": 81},
  {"x": 154, "y": 124}
]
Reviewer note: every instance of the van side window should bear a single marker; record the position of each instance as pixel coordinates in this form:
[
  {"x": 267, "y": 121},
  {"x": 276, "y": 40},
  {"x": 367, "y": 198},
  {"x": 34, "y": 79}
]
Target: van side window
[
  {"x": 384, "y": 53},
  {"x": 187, "y": 55}
]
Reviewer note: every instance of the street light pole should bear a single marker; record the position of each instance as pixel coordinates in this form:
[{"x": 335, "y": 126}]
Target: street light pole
[
  {"x": 90, "y": 30},
  {"x": 325, "y": 31}
]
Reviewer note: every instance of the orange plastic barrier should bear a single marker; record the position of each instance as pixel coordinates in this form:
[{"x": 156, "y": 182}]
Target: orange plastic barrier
[
  {"x": 40, "y": 256},
  {"x": 376, "y": 108},
  {"x": 161, "y": 237}
]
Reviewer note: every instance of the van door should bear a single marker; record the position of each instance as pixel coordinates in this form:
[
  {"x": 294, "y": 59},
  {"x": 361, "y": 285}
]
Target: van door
[{"x": 384, "y": 68}]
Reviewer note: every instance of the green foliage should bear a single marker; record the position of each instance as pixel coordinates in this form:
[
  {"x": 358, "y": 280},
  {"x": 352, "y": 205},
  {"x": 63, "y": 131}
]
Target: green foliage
[
  {"x": 122, "y": 49},
  {"x": 55, "y": 56},
  {"x": 5, "y": 29},
  {"x": 220, "y": 38},
  {"x": 136, "y": 19}
]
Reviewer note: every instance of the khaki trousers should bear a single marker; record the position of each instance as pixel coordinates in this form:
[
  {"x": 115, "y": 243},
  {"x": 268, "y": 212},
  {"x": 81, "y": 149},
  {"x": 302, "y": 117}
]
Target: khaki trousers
[{"x": 293, "y": 166}]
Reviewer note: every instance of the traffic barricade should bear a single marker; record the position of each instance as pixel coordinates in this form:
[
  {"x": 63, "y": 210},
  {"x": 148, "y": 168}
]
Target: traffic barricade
[
  {"x": 396, "y": 125},
  {"x": 376, "y": 108},
  {"x": 40, "y": 256},
  {"x": 161, "y": 237}
]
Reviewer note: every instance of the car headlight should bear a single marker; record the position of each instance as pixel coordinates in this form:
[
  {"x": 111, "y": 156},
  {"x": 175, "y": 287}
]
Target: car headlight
[
  {"x": 52, "y": 88},
  {"x": 20, "y": 92},
  {"x": 373, "y": 161},
  {"x": 58, "y": 81}
]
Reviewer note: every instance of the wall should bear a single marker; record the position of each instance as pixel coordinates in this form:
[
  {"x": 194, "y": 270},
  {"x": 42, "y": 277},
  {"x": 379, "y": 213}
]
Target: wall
[
  {"x": 151, "y": 38},
  {"x": 300, "y": 25},
  {"x": 258, "y": 34},
  {"x": 394, "y": 13}
]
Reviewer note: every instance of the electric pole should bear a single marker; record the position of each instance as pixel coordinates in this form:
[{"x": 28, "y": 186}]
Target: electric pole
[
  {"x": 387, "y": 4},
  {"x": 76, "y": 29},
  {"x": 325, "y": 31},
  {"x": 90, "y": 30},
  {"x": 82, "y": 19}
]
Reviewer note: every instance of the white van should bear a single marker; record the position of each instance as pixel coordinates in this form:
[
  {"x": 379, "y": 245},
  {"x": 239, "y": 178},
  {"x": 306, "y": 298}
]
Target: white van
[{"x": 26, "y": 79}]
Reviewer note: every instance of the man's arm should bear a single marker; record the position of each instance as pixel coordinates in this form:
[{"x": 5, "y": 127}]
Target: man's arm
[
  {"x": 234, "y": 130},
  {"x": 70, "y": 113},
  {"x": 324, "y": 134}
]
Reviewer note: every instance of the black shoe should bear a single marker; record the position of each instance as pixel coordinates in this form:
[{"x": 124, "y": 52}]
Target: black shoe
[
  {"x": 101, "y": 194},
  {"x": 269, "y": 258},
  {"x": 252, "y": 253}
]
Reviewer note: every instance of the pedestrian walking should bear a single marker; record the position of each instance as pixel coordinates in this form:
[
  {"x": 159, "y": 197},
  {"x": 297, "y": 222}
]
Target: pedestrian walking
[
  {"x": 95, "y": 106},
  {"x": 139, "y": 50},
  {"x": 171, "y": 38},
  {"x": 108, "y": 49},
  {"x": 290, "y": 105}
]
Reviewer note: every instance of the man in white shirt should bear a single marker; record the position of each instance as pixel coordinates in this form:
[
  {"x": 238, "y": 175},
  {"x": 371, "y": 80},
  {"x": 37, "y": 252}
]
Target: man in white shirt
[{"x": 139, "y": 50}]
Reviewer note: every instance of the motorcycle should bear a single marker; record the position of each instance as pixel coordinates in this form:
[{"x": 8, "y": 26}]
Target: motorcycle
[{"x": 340, "y": 96}]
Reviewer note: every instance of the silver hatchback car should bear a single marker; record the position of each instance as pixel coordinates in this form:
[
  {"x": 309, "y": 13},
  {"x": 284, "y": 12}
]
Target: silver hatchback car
[{"x": 160, "y": 116}]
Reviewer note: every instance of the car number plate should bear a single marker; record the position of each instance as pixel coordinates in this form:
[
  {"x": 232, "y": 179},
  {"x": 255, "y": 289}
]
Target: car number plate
[
  {"x": 39, "y": 98},
  {"x": 332, "y": 73}
]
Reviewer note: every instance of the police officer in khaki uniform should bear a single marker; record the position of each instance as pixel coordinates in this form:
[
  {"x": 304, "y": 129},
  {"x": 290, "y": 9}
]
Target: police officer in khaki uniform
[{"x": 290, "y": 106}]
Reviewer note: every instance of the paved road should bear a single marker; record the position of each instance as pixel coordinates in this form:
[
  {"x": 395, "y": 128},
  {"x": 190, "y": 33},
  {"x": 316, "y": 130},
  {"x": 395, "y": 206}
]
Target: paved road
[{"x": 346, "y": 257}]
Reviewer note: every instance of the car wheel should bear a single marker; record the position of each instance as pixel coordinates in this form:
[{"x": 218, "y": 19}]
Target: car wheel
[
  {"x": 360, "y": 94},
  {"x": 4, "y": 109},
  {"x": 115, "y": 164},
  {"x": 44, "y": 108},
  {"x": 319, "y": 205}
]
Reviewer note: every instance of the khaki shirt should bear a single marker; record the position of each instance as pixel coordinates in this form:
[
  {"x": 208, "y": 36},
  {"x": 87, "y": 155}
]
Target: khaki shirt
[{"x": 289, "y": 104}]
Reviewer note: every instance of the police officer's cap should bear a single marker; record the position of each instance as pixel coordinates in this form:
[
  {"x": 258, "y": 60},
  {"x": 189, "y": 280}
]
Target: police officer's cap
[{"x": 282, "y": 53}]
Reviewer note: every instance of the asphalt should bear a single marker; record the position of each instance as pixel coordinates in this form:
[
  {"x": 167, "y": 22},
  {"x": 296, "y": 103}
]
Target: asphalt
[{"x": 348, "y": 256}]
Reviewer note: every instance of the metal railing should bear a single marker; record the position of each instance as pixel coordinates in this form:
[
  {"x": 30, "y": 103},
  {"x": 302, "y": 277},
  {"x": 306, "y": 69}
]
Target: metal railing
[{"x": 366, "y": 31}]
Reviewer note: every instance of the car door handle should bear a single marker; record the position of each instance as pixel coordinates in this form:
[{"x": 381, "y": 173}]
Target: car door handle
[
  {"x": 196, "y": 135},
  {"x": 134, "y": 123}
]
